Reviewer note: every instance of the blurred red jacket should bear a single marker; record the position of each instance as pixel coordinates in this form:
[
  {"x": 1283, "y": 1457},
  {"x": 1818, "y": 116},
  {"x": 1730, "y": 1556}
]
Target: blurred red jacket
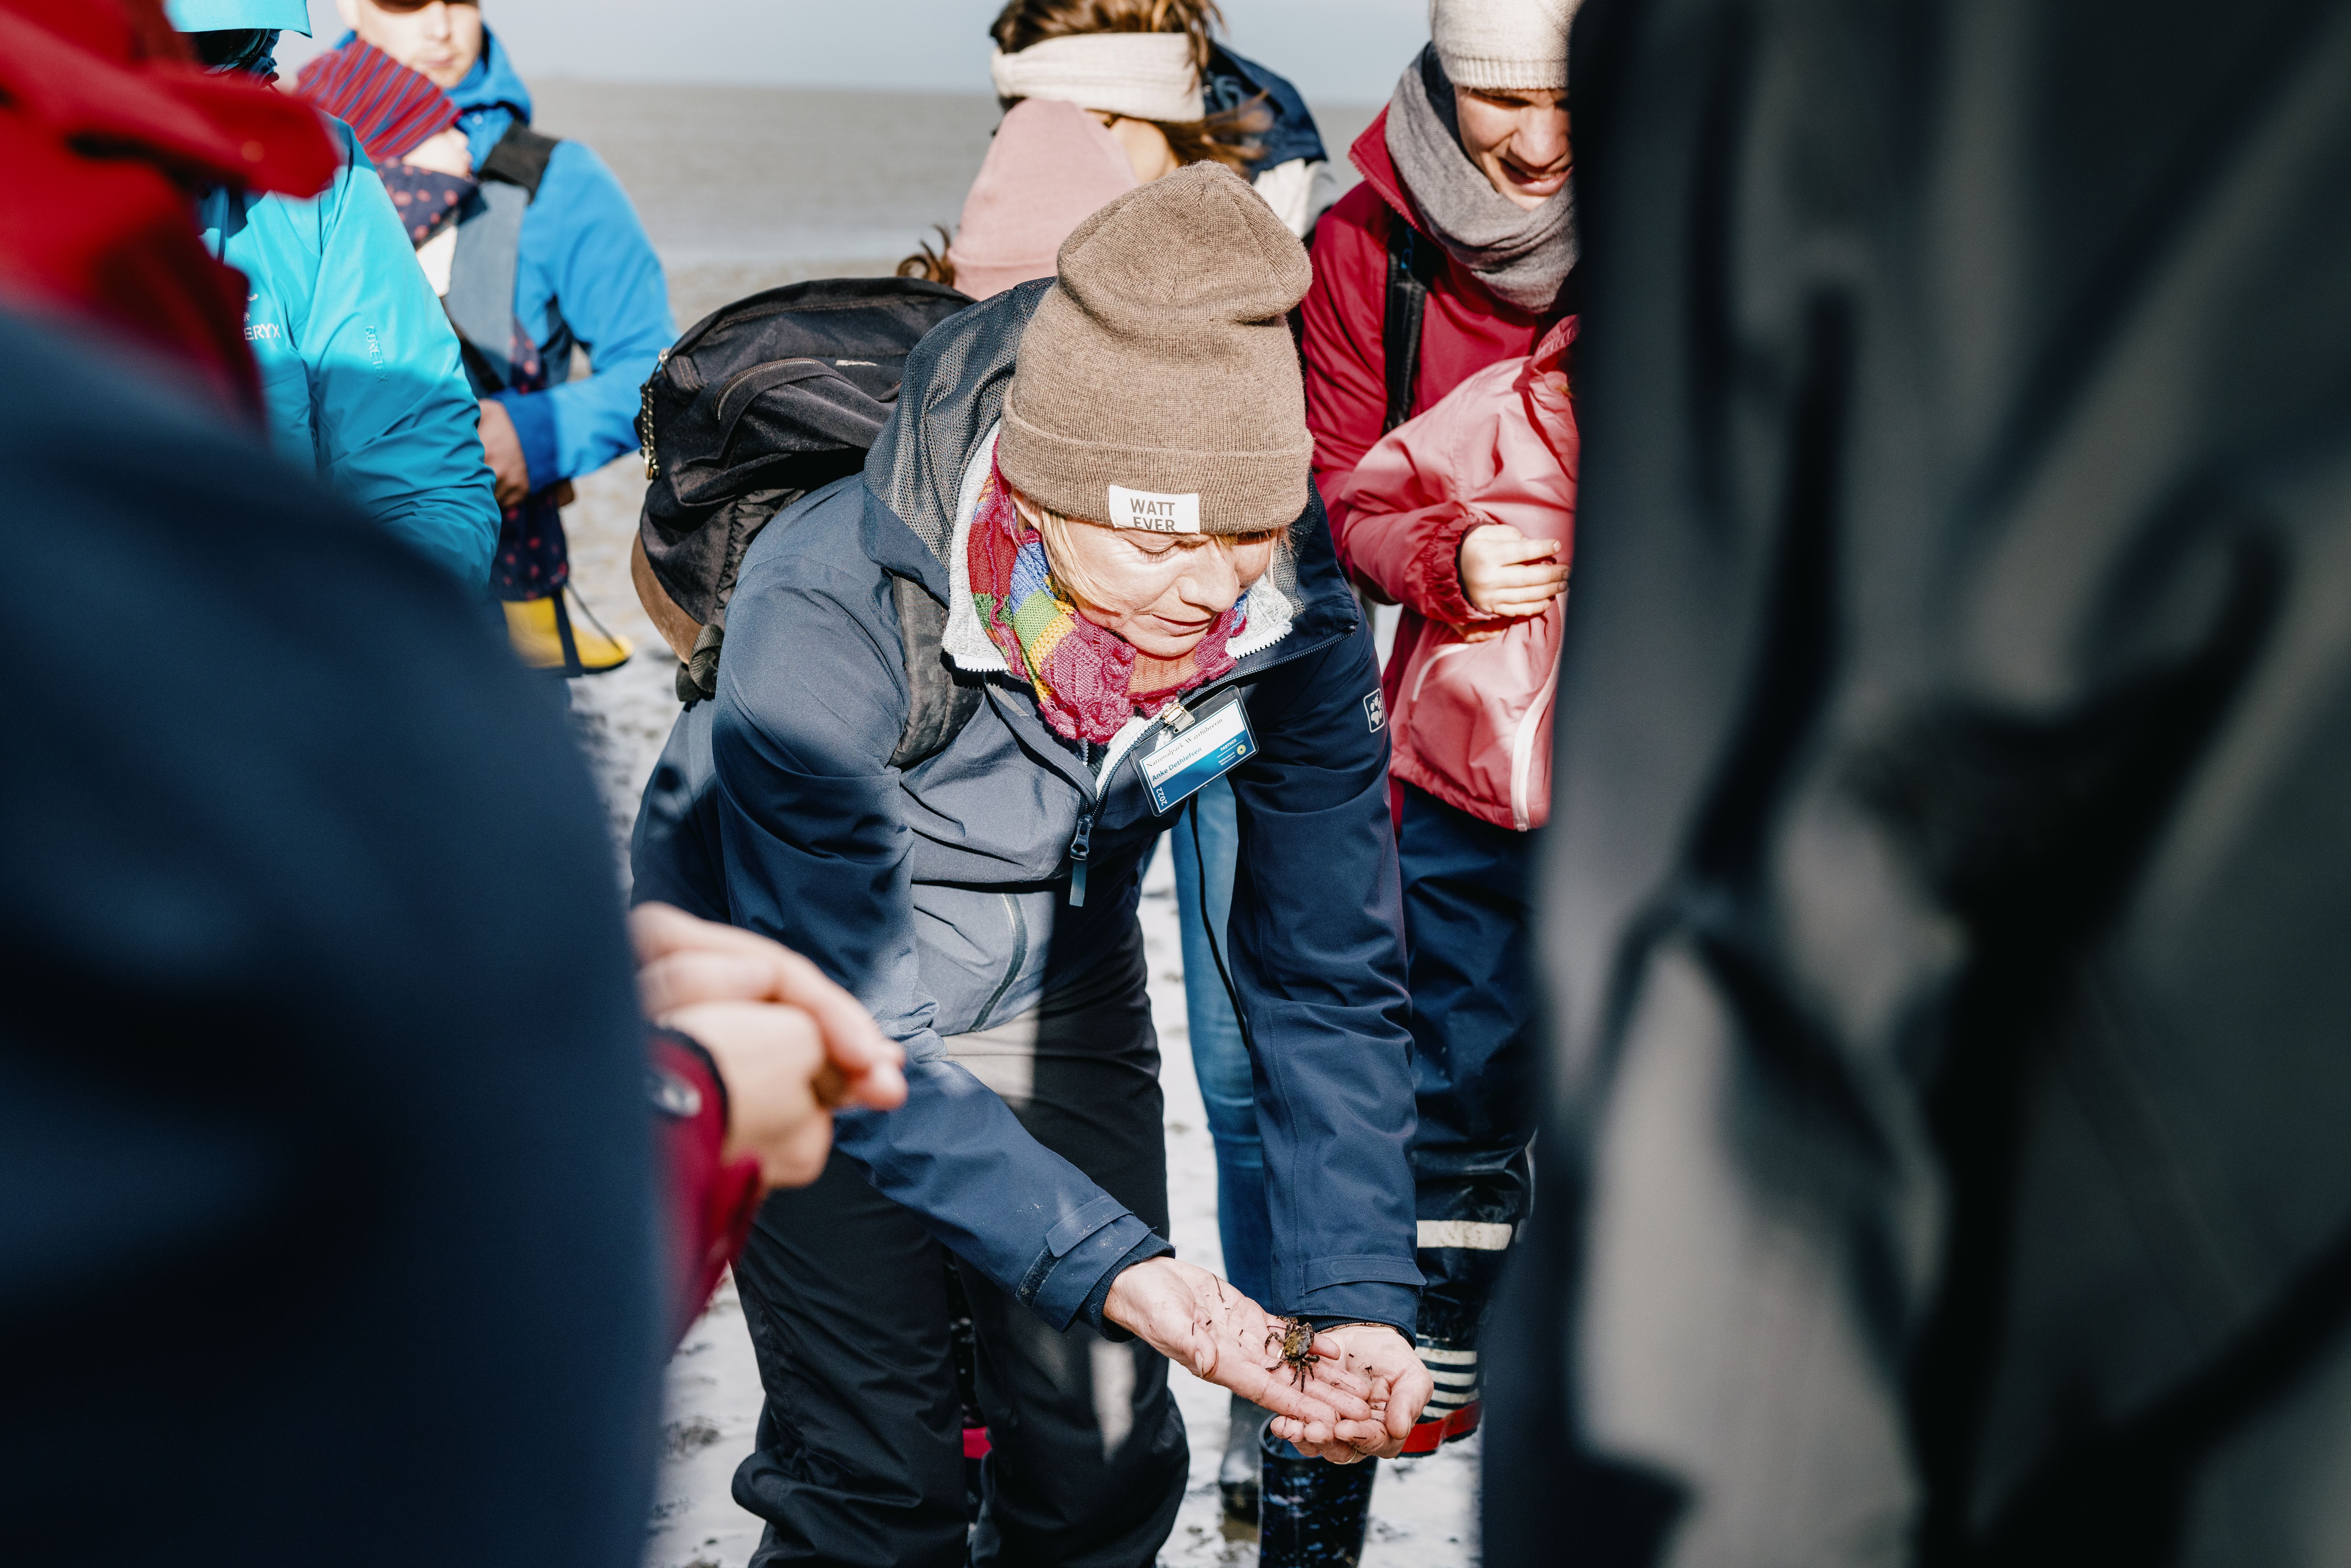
[{"x": 107, "y": 132}]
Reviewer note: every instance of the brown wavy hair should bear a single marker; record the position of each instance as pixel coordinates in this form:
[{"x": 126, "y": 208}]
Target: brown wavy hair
[
  {"x": 934, "y": 266},
  {"x": 1229, "y": 137}
]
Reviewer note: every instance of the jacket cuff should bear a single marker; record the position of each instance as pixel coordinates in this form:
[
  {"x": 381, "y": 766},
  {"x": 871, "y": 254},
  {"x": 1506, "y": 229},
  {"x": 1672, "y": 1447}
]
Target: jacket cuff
[
  {"x": 533, "y": 420},
  {"x": 1432, "y": 581},
  {"x": 1363, "y": 1302},
  {"x": 711, "y": 1204},
  {"x": 1083, "y": 1251},
  {"x": 1151, "y": 1245}
]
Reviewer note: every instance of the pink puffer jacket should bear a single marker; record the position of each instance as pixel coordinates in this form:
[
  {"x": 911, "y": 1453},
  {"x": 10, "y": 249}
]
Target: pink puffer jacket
[{"x": 1470, "y": 719}]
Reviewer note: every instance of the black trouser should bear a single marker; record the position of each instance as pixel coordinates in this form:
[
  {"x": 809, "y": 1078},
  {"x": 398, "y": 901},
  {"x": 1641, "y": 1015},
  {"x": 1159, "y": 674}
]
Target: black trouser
[
  {"x": 1468, "y": 931},
  {"x": 860, "y": 1457}
]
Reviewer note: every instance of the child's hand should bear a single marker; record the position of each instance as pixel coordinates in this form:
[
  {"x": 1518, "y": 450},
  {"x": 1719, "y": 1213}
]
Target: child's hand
[
  {"x": 1503, "y": 572},
  {"x": 447, "y": 154}
]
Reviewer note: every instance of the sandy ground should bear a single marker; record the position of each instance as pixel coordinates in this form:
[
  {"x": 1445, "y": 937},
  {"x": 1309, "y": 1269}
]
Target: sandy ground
[{"x": 1424, "y": 1511}]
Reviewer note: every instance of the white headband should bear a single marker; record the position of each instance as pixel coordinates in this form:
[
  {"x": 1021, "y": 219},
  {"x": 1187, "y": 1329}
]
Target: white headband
[{"x": 1142, "y": 76}]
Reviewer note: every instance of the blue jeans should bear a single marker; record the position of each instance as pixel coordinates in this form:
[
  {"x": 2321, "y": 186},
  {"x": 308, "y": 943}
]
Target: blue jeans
[{"x": 1206, "y": 839}]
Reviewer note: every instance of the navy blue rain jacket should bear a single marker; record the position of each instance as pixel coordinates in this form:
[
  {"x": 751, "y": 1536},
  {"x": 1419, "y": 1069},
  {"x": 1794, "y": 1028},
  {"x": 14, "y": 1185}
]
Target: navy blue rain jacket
[
  {"x": 322, "y": 1128},
  {"x": 941, "y": 894}
]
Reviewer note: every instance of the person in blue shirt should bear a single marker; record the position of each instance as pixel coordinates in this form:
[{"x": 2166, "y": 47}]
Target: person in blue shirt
[
  {"x": 358, "y": 363},
  {"x": 553, "y": 257}
]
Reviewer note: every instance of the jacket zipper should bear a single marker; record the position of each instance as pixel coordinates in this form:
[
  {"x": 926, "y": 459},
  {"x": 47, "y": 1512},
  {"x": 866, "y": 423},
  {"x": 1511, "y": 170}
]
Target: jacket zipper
[
  {"x": 1081, "y": 842},
  {"x": 645, "y": 416}
]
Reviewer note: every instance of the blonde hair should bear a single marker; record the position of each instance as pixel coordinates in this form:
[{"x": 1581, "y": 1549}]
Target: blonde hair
[{"x": 1061, "y": 558}]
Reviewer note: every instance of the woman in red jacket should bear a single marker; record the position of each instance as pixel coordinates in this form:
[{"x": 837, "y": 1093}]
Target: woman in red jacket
[{"x": 1442, "y": 270}]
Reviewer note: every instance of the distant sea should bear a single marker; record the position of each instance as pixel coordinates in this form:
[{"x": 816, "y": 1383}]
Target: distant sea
[{"x": 745, "y": 187}]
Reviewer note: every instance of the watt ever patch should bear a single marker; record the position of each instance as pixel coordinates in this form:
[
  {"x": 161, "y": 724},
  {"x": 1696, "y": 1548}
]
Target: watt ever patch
[{"x": 1217, "y": 738}]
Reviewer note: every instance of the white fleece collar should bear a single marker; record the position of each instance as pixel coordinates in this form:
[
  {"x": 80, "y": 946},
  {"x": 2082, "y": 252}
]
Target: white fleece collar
[
  {"x": 1269, "y": 610},
  {"x": 967, "y": 640}
]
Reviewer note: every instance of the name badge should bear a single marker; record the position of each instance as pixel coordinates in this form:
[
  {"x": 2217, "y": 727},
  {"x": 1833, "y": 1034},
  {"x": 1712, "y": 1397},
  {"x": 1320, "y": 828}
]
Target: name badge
[{"x": 1216, "y": 739}]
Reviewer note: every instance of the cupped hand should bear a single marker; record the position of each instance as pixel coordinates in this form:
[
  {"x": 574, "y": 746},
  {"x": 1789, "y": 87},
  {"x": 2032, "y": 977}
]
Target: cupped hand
[
  {"x": 1201, "y": 1324},
  {"x": 1504, "y": 572},
  {"x": 683, "y": 962},
  {"x": 1400, "y": 1389}
]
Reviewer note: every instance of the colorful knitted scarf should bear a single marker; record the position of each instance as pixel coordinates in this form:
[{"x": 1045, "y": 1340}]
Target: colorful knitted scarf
[{"x": 1083, "y": 675}]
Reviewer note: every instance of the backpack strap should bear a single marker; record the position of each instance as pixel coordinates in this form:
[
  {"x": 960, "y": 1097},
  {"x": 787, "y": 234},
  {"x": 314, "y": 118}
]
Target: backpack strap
[
  {"x": 1412, "y": 265},
  {"x": 481, "y": 297},
  {"x": 520, "y": 158},
  {"x": 938, "y": 704},
  {"x": 481, "y": 294}
]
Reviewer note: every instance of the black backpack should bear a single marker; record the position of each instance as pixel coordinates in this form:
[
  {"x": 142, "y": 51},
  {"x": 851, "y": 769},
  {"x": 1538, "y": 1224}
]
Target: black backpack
[{"x": 757, "y": 405}]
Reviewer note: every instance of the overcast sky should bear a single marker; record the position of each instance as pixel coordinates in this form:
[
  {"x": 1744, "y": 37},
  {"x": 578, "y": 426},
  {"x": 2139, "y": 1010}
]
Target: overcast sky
[{"x": 1337, "y": 51}]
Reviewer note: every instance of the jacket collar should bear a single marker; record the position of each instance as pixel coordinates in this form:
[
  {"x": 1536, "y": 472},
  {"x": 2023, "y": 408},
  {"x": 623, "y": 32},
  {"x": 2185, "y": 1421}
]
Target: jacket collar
[
  {"x": 493, "y": 83},
  {"x": 1231, "y": 80},
  {"x": 1372, "y": 160},
  {"x": 491, "y": 100}
]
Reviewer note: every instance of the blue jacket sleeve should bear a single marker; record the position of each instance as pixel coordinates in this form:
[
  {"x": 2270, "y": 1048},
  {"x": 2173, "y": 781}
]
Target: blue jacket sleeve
[
  {"x": 1317, "y": 936},
  {"x": 397, "y": 428},
  {"x": 816, "y": 856},
  {"x": 584, "y": 252}
]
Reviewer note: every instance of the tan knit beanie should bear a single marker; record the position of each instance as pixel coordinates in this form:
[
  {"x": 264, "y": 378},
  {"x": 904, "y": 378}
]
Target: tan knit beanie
[
  {"x": 1158, "y": 385},
  {"x": 1502, "y": 46}
]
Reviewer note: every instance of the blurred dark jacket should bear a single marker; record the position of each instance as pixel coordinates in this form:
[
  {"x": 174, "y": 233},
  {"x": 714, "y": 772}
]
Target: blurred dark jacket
[
  {"x": 1949, "y": 1154},
  {"x": 327, "y": 1212}
]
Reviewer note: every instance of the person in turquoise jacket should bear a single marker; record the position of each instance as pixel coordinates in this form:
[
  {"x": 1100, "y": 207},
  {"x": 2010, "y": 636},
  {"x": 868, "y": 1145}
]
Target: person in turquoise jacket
[
  {"x": 584, "y": 275},
  {"x": 359, "y": 364}
]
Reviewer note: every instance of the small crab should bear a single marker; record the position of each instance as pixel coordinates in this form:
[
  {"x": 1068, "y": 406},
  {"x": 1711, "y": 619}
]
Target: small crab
[{"x": 1296, "y": 1338}]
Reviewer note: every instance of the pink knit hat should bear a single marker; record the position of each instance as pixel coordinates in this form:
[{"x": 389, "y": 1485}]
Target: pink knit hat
[{"x": 1052, "y": 166}]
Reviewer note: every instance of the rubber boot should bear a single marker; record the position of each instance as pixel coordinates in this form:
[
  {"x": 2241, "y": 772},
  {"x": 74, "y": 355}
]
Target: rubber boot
[
  {"x": 1237, "y": 1476},
  {"x": 1453, "y": 1409},
  {"x": 545, "y": 637},
  {"x": 1312, "y": 1514}
]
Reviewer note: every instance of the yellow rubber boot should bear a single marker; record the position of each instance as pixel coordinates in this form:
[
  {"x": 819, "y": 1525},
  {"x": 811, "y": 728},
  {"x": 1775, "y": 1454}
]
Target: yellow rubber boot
[{"x": 546, "y": 637}]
